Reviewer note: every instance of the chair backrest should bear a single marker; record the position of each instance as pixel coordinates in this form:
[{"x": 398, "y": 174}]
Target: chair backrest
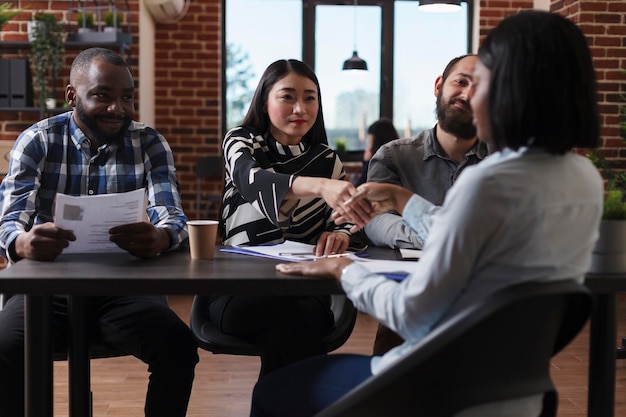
[
  {"x": 210, "y": 168},
  {"x": 496, "y": 350},
  {"x": 210, "y": 338}
]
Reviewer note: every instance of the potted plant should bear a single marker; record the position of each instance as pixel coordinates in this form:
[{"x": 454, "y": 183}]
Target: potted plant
[
  {"x": 6, "y": 13},
  {"x": 609, "y": 254},
  {"x": 112, "y": 20},
  {"x": 341, "y": 147},
  {"x": 85, "y": 21},
  {"x": 47, "y": 50}
]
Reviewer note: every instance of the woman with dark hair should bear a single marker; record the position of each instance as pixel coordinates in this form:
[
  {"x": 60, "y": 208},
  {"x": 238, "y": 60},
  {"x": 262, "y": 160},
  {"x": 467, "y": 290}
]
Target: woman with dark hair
[
  {"x": 505, "y": 221},
  {"x": 282, "y": 182},
  {"x": 379, "y": 133}
]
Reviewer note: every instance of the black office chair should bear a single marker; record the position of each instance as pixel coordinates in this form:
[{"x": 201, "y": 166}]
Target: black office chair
[
  {"x": 208, "y": 168},
  {"x": 210, "y": 338},
  {"x": 498, "y": 349}
]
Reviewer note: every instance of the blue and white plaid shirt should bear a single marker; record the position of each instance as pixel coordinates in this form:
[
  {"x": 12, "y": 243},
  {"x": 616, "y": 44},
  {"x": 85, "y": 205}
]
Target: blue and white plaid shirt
[{"x": 54, "y": 156}]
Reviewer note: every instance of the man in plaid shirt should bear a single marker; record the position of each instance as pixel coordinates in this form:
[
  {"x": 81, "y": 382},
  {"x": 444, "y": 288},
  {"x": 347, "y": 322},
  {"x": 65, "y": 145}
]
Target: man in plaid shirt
[{"x": 97, "y": 148}]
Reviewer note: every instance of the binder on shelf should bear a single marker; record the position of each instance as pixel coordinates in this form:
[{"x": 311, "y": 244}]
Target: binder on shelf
[
  {"x": 21, "y": 87},
  {"x": 5, "y": 82}
]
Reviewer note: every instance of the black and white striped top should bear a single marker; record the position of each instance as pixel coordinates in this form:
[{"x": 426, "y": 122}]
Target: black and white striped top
[{"x": 259, "y": 173}]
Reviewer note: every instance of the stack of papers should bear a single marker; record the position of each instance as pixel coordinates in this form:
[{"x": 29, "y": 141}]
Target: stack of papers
[{"x": 290, "y": 251}]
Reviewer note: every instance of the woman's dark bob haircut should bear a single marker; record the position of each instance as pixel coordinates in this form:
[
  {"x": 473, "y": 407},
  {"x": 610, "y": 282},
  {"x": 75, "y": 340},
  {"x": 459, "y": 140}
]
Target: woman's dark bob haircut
[
  {"x": 543, "y": 85},
  {"x": 257, "y": 118}
]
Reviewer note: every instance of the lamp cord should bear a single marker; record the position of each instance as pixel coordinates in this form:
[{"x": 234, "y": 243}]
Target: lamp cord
[{"x": 355, "y": 21}]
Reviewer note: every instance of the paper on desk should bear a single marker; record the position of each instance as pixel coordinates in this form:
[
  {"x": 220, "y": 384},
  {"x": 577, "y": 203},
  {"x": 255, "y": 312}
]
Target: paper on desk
[
  {"x": 396, "y": 270},
  {"x": 287, "y": 251},
  {"x": 296, "y": 252},
  {"x": 91, "y": 217},
  {"x": 410, "y": 253}
]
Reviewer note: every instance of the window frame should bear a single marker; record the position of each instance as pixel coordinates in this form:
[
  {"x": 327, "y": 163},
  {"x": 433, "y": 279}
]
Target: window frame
[{"x": 308, "y": 44}]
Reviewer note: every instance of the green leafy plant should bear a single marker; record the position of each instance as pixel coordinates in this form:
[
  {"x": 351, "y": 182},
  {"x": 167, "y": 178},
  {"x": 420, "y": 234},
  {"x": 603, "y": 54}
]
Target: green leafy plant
[
  {"x": 341, "y": 146},
  {"x": 614, "y": 205},
  {"x": 112, "y": 19},
  {"x": 85, "y": 20},
  {"x": 615, "y": 196},
  {"x": 47, "y": 50},
  {"x": 7, "y": 13}
]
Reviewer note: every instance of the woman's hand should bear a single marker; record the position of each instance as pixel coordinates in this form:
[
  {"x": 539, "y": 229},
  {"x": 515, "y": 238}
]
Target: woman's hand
[
  {"x": 334, "y": 193},
  {"x": 326, "y": 268},
  {"x": 337, "y": 192},
  {"x": 330, "y": 243},
  {"x": 380, "y": 197}
]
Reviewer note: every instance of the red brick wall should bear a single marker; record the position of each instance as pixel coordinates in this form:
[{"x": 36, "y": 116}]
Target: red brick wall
[
  {"x": 604, "y": 23},
  {"x": 188, "y": 81},
  {"x": 188, "y": 91}
]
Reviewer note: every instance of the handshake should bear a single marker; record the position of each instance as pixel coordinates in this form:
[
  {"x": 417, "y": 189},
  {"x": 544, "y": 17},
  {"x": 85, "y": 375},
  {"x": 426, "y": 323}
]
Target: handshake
[{"x": 369, "y": 200}]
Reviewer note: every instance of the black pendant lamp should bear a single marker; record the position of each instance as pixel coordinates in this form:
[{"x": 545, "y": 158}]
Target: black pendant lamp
[
  {"x": 354, "y": 63},
  {"x": 440, "y": 6}
]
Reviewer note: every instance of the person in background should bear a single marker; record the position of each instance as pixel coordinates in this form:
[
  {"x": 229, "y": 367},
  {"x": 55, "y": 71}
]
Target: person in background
[
  {"x": 97, "y": 148},
  {"x": 378, "y": 133},
  {"x": 429, "y": 163},
  {"x": 282, "y": 183},
  {"x": 505, "y": 221}
]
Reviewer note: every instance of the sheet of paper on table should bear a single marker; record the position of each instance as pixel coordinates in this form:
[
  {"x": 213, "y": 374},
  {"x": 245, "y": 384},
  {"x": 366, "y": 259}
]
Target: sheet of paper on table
[
  {"x": 289, "y": 251},
  {"x": 297, "y": 252},
  {"x": 91, "y": 217},
  {"x": 411, "y": 254}
]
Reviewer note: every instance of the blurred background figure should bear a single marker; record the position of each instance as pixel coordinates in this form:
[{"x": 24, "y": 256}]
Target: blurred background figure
[{"x": 379, "y": 133}]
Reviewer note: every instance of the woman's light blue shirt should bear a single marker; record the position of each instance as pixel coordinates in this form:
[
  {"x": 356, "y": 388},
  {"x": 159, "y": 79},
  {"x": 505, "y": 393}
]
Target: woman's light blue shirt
[{"x": 517, "y": 216}]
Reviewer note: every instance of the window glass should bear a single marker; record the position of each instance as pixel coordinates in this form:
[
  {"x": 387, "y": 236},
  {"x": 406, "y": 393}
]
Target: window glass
[
  {"x": 258, "y": 32},
  {"x": 424, "y": 42},
  {"x": 351, "y": 99}
]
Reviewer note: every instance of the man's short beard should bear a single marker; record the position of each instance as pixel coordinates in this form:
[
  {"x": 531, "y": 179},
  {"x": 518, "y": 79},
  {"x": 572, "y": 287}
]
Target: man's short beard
[
  {"x": 92, "y": 124},
  {"x": 452, "y": 121}
]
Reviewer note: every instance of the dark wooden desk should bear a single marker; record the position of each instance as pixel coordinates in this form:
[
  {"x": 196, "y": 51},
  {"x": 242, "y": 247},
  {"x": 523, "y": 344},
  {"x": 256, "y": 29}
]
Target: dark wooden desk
[
  {"x": 175, "y": 273},
  {"x": 602, "y": 343},
  {"x": 79, "y": 276}
]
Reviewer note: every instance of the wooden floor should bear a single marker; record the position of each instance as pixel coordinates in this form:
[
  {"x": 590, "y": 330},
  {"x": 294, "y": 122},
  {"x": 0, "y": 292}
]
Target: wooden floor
[{"x": 224, "y": 382}]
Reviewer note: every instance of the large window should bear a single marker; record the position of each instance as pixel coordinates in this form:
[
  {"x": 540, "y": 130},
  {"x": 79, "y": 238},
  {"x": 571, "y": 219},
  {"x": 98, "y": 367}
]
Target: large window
[
  {"x": 258, "y": 32},
  {"x": 405, "y": 49}
]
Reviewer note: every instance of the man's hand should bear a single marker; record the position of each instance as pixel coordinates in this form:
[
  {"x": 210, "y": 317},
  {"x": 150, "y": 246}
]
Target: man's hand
[
  {"x": 43, "y": 242},
  {"x": 142, "y": 239},
  {"x": 381, "y": 197}
]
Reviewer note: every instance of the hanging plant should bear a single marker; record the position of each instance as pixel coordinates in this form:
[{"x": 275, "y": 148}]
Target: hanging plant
[{"x": 47, "y": 50}]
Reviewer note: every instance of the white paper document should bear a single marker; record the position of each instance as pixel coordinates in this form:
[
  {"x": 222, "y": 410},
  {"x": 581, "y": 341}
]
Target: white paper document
[
  {"x": 411, "y": 254},
  {"x": 287, "y": 251},
  {"x": 297, "y": 252},
  {"x": 91, "y": 217}
]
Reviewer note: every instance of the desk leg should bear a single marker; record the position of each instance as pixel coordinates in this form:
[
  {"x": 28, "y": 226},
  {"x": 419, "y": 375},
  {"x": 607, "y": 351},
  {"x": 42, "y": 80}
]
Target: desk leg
[
  {"x": 38, "y": 356},
  {"x": 602, "y": 334},
  {"x": 78, "y": 358}
]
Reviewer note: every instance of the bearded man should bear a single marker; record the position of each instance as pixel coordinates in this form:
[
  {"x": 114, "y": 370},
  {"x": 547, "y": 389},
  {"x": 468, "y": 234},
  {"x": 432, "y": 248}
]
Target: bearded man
[{"x": 429, "y": 163}]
